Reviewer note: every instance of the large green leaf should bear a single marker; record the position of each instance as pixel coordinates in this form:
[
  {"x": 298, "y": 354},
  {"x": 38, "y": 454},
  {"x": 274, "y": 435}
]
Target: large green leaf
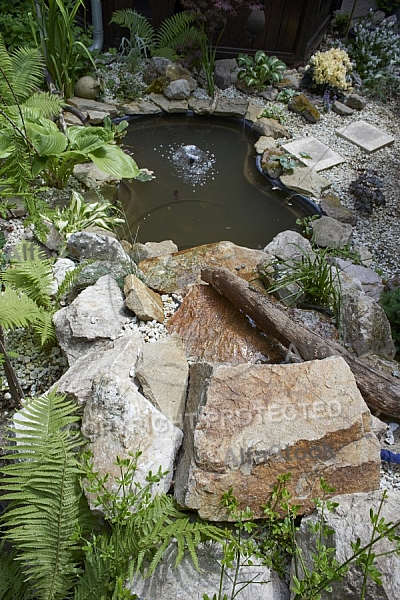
[
  {"x": 112, "y": 160},
  {"x": 88, "y": 139},
  {"x": 50, "y": 145}
]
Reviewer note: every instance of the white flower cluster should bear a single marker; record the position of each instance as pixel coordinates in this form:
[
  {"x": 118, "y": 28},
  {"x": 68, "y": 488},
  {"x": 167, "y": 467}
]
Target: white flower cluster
[
  {"x": 376, "y": 51},
  {"x": 331, "y": 68}
]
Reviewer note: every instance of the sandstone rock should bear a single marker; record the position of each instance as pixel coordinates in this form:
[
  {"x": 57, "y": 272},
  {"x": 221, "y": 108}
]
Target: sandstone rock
[
  {"x": 264, "y": 143},
  {"x": 92, "y": 177},
  {"x": 371, "y": 282},
  {"x": 231, "y": 107},
  {"x": 140, "y": 252},
  {"x": 330, "y": 204},
  {"x": 87, "y": 87},
  {"x": 364, "y": 325},
  {"x": 89, "y": 106},
  {"x": 329, "y": 233},
  {"x": 175, "y": 71},
  {"x": 168, "y": 583},
  {"x": 349, "y": 521},
  {"x": 223, "y": 70},
  {"x": 305, "y": 181},
  {"x": 301, "y": 105},
  {"x": 212, "y": 329},
  {"x": 86, "y": 245},
  {"x": 146, "y": 304},
  {"x": 289, "y": 245},
  {"x": 119, "y": 357},
  {"x": 140, "y": 107},
  {"x": 117, "y": 420},
  {"x": 178, "y": 90},
  {"x": 200, "y": 106},
  {"x": 162, "y": 371},
  {"x": 169, "y": 106},
  {"x": 94, "y": 318},
  {"x": 270, "y": 128},
  {"x": 172, "y": 274},
  {"x": 269, "y": 95},
  {"x": 248, "y": 424}
]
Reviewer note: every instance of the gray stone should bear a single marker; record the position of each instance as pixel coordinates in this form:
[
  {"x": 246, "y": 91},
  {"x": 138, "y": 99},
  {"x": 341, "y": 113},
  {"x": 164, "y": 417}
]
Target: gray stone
[
  {"x": 86, "y": 245},
  {"x": 96, "y": 117},
  {"x": 169, "y": 583},
  {"x": 329, "y": 233},
  {"x": 356, "y": 101},
  {"x": 161, "y": 63},
  {"x": 118, "y": 420},
  {"x": 223, "y": 69},
  {"x": 322, "y": 157},
  {"x": 253, "y": 111},
  {"x": 175, "y": 71},
  {"x": 349, "y": 521},
  {"x": 270, "y": 128},
  {"x": 54, "y": 240},
  {"x": 118, "y": 357},
  {"x": 289, "y": 245},
  {"x": 18, "y": 207},
  {"x": 269, "y": 95},
  {"x": 231, "y": 107},
  {"x": 290, "y": 80},
  {"x": 177, "y": 90},
  {"x": 87, "y": 87},
  {"x": 305, "y": 181},
  {"x": 94, "y": 318},
  {"x": 364, "y": 325},
  {"x": 248, "y": 424},
  {"x": 61, "y": 267},
  {"x": 200, "y": 106},
  {"x": 162, "y": 371},
  {"x": 169, "y": 106},
  {"x": 92, "y": 177},
  {"x": 365, "y": 136},
  {"x": 143, "y": 302},
  {"x": 371, "y": 282},
  {"x": 332, "y": 207},
  {"x": 342, "y": 109}
]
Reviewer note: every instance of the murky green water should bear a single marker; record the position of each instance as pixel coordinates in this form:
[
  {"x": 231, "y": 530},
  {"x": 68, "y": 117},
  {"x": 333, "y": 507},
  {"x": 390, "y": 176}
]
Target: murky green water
[{"x": 221, "y": 197}]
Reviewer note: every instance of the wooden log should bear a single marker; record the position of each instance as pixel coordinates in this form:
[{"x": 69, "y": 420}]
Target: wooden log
[{"x": 379, "y": 391}]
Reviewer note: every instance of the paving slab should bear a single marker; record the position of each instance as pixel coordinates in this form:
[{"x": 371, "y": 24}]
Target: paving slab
[
  {"x": 365, "y": 136},
  {"x": 322, "y": 157}
]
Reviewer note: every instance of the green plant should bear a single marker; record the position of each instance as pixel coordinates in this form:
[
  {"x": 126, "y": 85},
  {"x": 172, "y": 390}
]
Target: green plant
[
  {"x": 208, "y": 55},
  {"x": 285, "y": 95},
  {"x": 16, "y": 22},
  {"x": 174, "y": 33},
  {"x": 60, "y": 549},
  {"x": 79, "y": 215},
  {"x": 274, "y": 111},
  {"x": 389, "y": 6},
  {"x": 375, "y": 51},
  {"x": 390, "y": 302},
  {"x": 261, "y": 71},
  {"x": 341, "y": 23},
  {"x": 61, "y": 43},
  {"x": 317, "y": 281},
  {"x": 306, "y": 226}
]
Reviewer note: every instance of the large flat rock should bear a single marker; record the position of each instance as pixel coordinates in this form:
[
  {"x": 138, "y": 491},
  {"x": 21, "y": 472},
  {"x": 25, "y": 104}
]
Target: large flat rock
[
  {"x": 365, "y": 136},
  {"x": 248, "y": 424},
  {"x": 322, "y": 157}
]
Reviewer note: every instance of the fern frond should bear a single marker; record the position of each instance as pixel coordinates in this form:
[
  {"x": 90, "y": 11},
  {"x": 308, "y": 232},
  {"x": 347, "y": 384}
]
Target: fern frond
[
  {"x": 172, "y": 28},
  {"x": 42, "y": 104},
  {"x": 45, "y": 495},
  {"x": 69, "y": 281},
  {"x": 139, "y": 27},
  {"x": 17, "y": 310},
  {"x": 12, "y": 584},
  {"x": 30, "y": 272},
  {"x": 22, "y": 73}
]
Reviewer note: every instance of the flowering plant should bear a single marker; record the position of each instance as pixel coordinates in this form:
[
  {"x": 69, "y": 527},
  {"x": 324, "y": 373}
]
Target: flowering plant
[{"x": 331, "y": 69}]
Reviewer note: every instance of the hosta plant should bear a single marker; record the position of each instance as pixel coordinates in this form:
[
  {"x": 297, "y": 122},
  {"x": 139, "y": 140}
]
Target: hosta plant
[{"x": 261, "y": 71}]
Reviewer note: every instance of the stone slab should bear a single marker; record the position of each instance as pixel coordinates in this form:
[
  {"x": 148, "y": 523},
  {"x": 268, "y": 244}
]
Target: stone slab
[
  {"x": 365, "y": 136},
  {"x": 322, "y": 157}
]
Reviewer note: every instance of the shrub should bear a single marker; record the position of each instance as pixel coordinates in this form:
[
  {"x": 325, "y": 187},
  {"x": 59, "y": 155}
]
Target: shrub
[
  {"x": 390, "y": 302},
  {"x": 331, "y": 69},
  {"x": 375, "y": 52}
]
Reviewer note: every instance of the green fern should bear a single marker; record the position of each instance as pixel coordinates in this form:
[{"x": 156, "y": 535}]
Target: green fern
[
  {"x": 45, "y": 497},
  {"x": 22, "y": 73},
  {"x": 141, "y": 32},
  {"x": 176, "y": 32},
  {"x": 17, "y": 310}
]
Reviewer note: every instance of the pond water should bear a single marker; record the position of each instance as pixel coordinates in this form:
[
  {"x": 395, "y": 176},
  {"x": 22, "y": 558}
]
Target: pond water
[{"x": 207, "y": 187}]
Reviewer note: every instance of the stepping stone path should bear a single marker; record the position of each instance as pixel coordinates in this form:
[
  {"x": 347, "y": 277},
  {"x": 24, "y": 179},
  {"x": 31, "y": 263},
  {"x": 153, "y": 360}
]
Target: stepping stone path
[
  {"x": 322, "y": 157},
  {"x": 365, "y": 136}
]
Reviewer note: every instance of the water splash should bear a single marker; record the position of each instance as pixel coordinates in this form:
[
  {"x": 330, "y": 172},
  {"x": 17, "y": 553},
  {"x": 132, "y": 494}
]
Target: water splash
[{"x": 192, "y": 164}]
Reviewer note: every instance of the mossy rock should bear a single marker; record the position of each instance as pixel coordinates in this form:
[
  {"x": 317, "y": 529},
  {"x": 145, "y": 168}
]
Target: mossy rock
[
  {"x": 301, "y": 105},
  {"x": 157, "y": 86}
]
